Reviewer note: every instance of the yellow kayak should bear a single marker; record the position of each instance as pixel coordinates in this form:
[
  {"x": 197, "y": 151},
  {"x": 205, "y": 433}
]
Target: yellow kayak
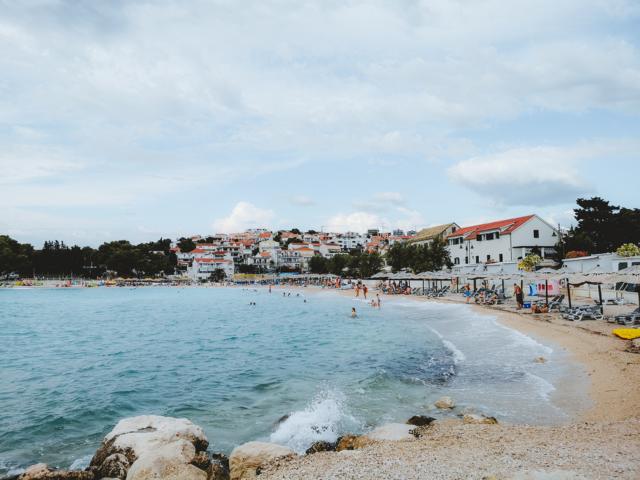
[{"x": 627, "y": 333}]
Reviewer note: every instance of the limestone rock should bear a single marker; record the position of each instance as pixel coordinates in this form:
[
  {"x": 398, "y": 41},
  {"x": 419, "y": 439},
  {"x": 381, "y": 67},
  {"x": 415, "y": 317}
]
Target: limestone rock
[
  {"x": 152, "y": 446},
  {"x": 445, "y": 403},
  {"x": 392, "y": 432},
  {"x": 321, "y": 446},
  {"x": 219, "y": 467},
  {"x": 41, "y": 471},
  {"x": 478, "y": 419},
  {"x": 114, "y": 466},
  {"x": 420, "y": 420},
  {"x": 351, "y": 442},
  {"x": 247, "y": 459}
]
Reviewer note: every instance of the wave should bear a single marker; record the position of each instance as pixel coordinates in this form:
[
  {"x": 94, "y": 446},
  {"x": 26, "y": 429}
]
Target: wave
[
  {"x": 544, "y": 387},
  {"x": 323, "y": 419},
  {"x": 458, "y": 356}
]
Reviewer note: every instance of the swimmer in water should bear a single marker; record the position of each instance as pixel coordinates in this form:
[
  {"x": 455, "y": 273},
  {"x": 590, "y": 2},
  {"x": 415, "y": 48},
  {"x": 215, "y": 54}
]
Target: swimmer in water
[{"x": 353, "y": 312}]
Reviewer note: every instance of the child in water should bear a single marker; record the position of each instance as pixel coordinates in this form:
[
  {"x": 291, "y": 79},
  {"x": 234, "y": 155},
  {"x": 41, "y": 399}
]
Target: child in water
[{"x": 353, "y": 312}]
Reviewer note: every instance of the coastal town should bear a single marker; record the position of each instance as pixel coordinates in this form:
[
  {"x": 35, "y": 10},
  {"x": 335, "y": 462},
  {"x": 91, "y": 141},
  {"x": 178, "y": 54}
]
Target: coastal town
[{"x": 279, "y": 240}]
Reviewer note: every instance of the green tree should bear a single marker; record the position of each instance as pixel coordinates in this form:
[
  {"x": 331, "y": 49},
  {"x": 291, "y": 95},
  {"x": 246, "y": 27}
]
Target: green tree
[
  {"x": 15, "y": 257},
  {"x": 318, "y": 264},
  {"x": 217, "y": 275},
  {"x": 186, "y": 244}
]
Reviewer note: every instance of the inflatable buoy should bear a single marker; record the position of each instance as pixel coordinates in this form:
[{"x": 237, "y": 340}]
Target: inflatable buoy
[{"x": 627, "y": 333}]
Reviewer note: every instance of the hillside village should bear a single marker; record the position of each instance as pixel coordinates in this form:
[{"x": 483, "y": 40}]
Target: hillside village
[{"x": 502, "y": 242}]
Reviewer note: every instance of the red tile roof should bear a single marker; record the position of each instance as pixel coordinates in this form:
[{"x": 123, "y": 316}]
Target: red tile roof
[
  {"x": 210, "y": 260},
  {"x": 505, "y": 226}
]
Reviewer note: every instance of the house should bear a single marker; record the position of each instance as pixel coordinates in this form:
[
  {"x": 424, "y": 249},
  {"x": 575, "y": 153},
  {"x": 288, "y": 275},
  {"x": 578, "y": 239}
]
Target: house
[
  {"x": 429, "y": 234},
  {"x": 600, "y": 263},
  {"x": 351, "y": 241},
  {"x": 508, "y": 240},
  {"x": 329, "y": 250},
  {"x": 201, "y": 268}
]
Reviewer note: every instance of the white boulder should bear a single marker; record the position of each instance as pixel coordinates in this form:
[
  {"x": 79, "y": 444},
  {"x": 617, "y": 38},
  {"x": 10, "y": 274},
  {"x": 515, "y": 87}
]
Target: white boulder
[
  {"x": 445, "y": 403},
  {"x": 247, "y": 458}
]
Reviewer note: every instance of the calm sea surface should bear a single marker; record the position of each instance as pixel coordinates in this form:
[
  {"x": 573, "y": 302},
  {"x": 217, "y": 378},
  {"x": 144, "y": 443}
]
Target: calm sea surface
[{"x": 75, "y": 361}]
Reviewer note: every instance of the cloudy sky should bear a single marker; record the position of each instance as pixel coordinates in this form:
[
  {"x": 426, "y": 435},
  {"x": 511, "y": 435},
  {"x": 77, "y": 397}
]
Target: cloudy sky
[{"x": 136, "y": 119}]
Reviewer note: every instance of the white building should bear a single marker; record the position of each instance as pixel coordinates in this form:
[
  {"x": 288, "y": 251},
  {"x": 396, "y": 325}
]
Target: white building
[
  {"x": 201, "y": 268},
  {"x": 507, "y": 240},
  {"x": 600, "y": 263}
]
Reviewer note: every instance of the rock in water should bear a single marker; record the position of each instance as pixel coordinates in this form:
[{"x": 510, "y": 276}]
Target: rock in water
[
  {"x": 152, "y": 447},
  {"x": 478, "y": 419},
  {"x": 41, "y": 471},
  {"x": 420, "y": 420},
  {"x": 246, "y": 459},
  {"x": 540, "y": 360},
  {"x": 445, "y": 403}
]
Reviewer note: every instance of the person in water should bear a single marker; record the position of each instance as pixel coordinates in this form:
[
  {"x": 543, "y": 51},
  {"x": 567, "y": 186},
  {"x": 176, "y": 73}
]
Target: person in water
[
  {"x": 378, "y": 300},
  {"x": 353, "y": 312},
  {"x": 364, "y": 290}
]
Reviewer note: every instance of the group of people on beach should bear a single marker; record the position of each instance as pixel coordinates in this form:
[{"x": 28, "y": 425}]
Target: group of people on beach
[{"x": 361, "y": 287}]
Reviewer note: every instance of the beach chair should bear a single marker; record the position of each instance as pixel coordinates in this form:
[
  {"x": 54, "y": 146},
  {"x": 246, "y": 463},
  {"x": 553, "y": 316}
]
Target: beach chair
[{"x": 632, "y": 318}]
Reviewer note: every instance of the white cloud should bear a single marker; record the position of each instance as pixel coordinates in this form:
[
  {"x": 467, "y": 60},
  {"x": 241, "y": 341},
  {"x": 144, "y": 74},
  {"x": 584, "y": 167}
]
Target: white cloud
[
  {"x": 353, "y": 222},
  {"x": 21, "y": 163},
  {"x": 243, "y": 216},
  {"x": 525, "y": 176},
  {"x": 361, "y": 221}
]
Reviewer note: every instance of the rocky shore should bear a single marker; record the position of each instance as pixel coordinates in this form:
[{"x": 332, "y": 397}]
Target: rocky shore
[{"x": 473, "y": 446}]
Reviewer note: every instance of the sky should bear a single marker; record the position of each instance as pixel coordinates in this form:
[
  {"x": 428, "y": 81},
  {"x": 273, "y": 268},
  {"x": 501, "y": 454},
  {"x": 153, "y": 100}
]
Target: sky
[{"x": 141, "y": 119}]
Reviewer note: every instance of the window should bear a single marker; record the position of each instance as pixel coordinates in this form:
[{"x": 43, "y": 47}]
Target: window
[
  {"x": 488, "y": 258},
  {"x": 536, "y": 234},
  {"x": 477, "y": 259},
  {"x": 466, "y": 260},
  {"x": 456, "y": 260},
  {"x": 622, "y": 265},
  {"x": 488, "y": 236},
  {"x": 479, "y": 238},
  {"x": 500, "y": 257}
]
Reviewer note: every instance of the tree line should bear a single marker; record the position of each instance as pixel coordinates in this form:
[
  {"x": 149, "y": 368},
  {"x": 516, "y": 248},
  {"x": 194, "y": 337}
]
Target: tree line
[
  {"x": 56, "y": 259},
  {"x": 600, "y": 227},
  {"x": 355, "y": 264}
]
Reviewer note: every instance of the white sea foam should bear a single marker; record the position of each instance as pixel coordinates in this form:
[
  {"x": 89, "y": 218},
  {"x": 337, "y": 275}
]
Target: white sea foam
[
  {"x": 81, "y": 463},
  {"x": 544, "y": 387},
  {"x": 322, "y": 420},
  {"x": 458, "y": 356}
]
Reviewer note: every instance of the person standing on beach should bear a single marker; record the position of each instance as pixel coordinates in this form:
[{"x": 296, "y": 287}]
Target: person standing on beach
[{"x": 519, "y": 297}]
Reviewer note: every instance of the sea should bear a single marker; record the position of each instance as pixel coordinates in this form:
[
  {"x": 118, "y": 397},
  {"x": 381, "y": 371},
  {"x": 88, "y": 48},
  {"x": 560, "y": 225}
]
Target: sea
[{"x": 290, "y": 366}]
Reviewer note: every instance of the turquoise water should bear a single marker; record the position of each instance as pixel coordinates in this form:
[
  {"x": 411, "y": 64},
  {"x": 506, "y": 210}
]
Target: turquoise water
[{"x": 75, "y": 361}]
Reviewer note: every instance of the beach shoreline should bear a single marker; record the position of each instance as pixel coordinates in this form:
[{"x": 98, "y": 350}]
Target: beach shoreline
[
  {"x": 613, "y": 374},
  {"x": 598, "y": 442}
]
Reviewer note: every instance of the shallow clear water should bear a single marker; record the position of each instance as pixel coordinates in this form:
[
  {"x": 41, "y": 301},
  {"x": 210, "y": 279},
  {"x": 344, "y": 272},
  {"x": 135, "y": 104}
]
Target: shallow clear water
[{"x": 74, "y": 362}]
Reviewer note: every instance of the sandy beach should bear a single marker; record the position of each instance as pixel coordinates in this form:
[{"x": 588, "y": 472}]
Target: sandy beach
[{"x": 602, "y": 441}]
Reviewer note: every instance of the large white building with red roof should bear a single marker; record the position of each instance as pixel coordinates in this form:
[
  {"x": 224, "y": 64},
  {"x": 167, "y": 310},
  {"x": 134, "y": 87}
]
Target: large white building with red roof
[{"x": 508, "y": 240}]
